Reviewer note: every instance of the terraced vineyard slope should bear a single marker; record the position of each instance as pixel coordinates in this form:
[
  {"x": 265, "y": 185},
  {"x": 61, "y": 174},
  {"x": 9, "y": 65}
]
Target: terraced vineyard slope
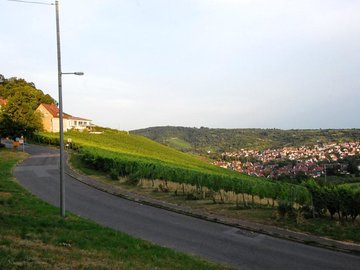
[
  {"x": 135, "y": 146},
  {"x": 136, "y": 157}
]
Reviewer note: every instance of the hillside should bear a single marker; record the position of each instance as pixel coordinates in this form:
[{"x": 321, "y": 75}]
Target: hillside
[
  {"x": 120, "y": 154},
  {"x": 132, "y": 146},
  {"x": 201, "y": 140}
]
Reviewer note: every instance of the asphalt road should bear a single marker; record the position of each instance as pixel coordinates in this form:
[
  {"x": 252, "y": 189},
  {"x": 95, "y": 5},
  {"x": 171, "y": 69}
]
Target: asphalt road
[{"x": 216, "y": 242}]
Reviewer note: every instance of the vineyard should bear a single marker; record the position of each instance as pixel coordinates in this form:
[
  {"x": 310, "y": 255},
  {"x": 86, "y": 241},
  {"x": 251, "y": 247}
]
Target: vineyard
[{"x": 136, "y": 157}]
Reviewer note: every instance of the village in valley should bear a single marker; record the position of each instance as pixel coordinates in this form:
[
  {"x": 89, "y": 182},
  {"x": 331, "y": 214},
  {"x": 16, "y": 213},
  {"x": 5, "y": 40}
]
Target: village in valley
[{"x": 308, "y": 161}]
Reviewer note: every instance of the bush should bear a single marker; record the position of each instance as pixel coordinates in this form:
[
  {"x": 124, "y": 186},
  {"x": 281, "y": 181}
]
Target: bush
[
  {"x": 133, "y": 179},
  {"x": 114, "y": 174},
  {"x": 285, "y": 209}
]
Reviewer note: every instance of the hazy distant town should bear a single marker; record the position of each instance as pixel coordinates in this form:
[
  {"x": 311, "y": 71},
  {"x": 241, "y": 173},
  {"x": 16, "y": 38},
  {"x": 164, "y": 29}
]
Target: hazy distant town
[{"x": 306, "y": 161}]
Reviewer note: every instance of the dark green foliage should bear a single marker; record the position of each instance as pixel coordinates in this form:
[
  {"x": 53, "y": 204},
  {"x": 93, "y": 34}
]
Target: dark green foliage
[
  {"x": 342, "y": 200},
  {"x": 353, "y": 163},
  {"x": 114, "y": 173},
  {"x": 318, "y": 195},
  {"x": 18, "y": 117},
  {"x": 285, "y": 209}
]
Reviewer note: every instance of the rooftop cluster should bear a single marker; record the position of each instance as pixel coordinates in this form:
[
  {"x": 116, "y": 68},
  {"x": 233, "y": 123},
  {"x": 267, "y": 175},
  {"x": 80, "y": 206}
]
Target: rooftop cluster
[{"x": 306, "y": 160}]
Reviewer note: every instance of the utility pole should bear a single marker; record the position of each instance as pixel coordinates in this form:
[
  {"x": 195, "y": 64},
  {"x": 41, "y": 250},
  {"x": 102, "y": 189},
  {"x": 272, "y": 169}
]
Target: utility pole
[{"x": 61, "y": 118}]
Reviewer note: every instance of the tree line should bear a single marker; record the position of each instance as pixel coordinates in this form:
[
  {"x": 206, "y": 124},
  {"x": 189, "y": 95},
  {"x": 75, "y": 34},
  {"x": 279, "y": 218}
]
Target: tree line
[{"x": 217, "y": 141}]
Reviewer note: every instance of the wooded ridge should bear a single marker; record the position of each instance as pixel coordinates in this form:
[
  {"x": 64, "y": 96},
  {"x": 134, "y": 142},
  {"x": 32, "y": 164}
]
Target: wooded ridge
[{"x": 205, "y": 140}]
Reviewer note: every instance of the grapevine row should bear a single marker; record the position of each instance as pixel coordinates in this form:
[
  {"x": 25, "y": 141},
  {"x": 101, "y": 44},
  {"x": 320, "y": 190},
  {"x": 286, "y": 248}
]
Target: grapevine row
[{"x": 138, "y": 167}]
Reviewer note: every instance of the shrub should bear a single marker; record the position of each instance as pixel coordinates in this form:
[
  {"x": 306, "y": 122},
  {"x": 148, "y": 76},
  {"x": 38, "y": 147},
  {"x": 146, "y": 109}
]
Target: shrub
[
  {"x": 133, "y": 179},
  {"x": 285, "y": 209},
  {"x": 114, "y": 174}
]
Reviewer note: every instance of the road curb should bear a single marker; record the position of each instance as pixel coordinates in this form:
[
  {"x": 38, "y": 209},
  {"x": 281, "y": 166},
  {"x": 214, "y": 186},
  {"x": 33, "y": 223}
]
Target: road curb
[{"x": 299, "y": 237}]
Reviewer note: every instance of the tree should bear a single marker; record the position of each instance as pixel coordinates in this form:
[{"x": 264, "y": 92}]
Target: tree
[
  {"x": 18, "y": 117},
  {"x": 318, "y": 196},
  {"x": 354, "y": 163},
  {"x": 332, "y": 200}
]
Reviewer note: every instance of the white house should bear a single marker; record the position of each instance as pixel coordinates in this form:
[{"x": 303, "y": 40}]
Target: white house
[{"x": 50, "y": 119}]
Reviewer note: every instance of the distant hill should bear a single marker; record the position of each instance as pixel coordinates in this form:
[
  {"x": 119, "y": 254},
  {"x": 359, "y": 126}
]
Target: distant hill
[{"x": 202, "y": 140}]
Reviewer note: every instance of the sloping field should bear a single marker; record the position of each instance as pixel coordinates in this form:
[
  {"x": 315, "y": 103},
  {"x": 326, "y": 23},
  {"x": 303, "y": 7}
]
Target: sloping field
[
  {"x": 136, "y": 157},
  {"x": 120, "y": 142}
]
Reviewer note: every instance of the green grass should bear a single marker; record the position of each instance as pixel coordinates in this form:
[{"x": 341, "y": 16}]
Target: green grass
[
  {"x": 343, "y": 231},
  {"x": 34, "y": 236}
]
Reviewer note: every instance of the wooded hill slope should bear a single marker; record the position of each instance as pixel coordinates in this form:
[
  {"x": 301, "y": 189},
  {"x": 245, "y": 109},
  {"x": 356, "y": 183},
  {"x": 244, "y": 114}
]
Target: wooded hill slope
[{"x": 201, "y": 140}]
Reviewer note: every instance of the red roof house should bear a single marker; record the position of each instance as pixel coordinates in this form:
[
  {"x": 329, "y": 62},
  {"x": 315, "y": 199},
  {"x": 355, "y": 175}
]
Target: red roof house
[{"x": 50, "y": 119}]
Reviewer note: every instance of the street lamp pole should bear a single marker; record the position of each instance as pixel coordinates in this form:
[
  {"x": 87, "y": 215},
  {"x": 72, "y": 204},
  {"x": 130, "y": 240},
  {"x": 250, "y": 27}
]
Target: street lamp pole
[
  {"x": 61, "y": 114},
  {"x": 61, "y": 122},
  {"x": 61, "y": 118}
]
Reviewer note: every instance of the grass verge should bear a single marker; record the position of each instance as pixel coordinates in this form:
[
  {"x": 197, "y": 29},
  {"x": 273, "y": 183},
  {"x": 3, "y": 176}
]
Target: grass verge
[
  {"x": 345, "y": 231},
  {"x": 34, "y": 236}
]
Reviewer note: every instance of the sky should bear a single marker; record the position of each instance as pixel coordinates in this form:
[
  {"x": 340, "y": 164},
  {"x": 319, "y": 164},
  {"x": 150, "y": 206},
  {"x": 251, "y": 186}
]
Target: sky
[{"x": 287, "y": 64}]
